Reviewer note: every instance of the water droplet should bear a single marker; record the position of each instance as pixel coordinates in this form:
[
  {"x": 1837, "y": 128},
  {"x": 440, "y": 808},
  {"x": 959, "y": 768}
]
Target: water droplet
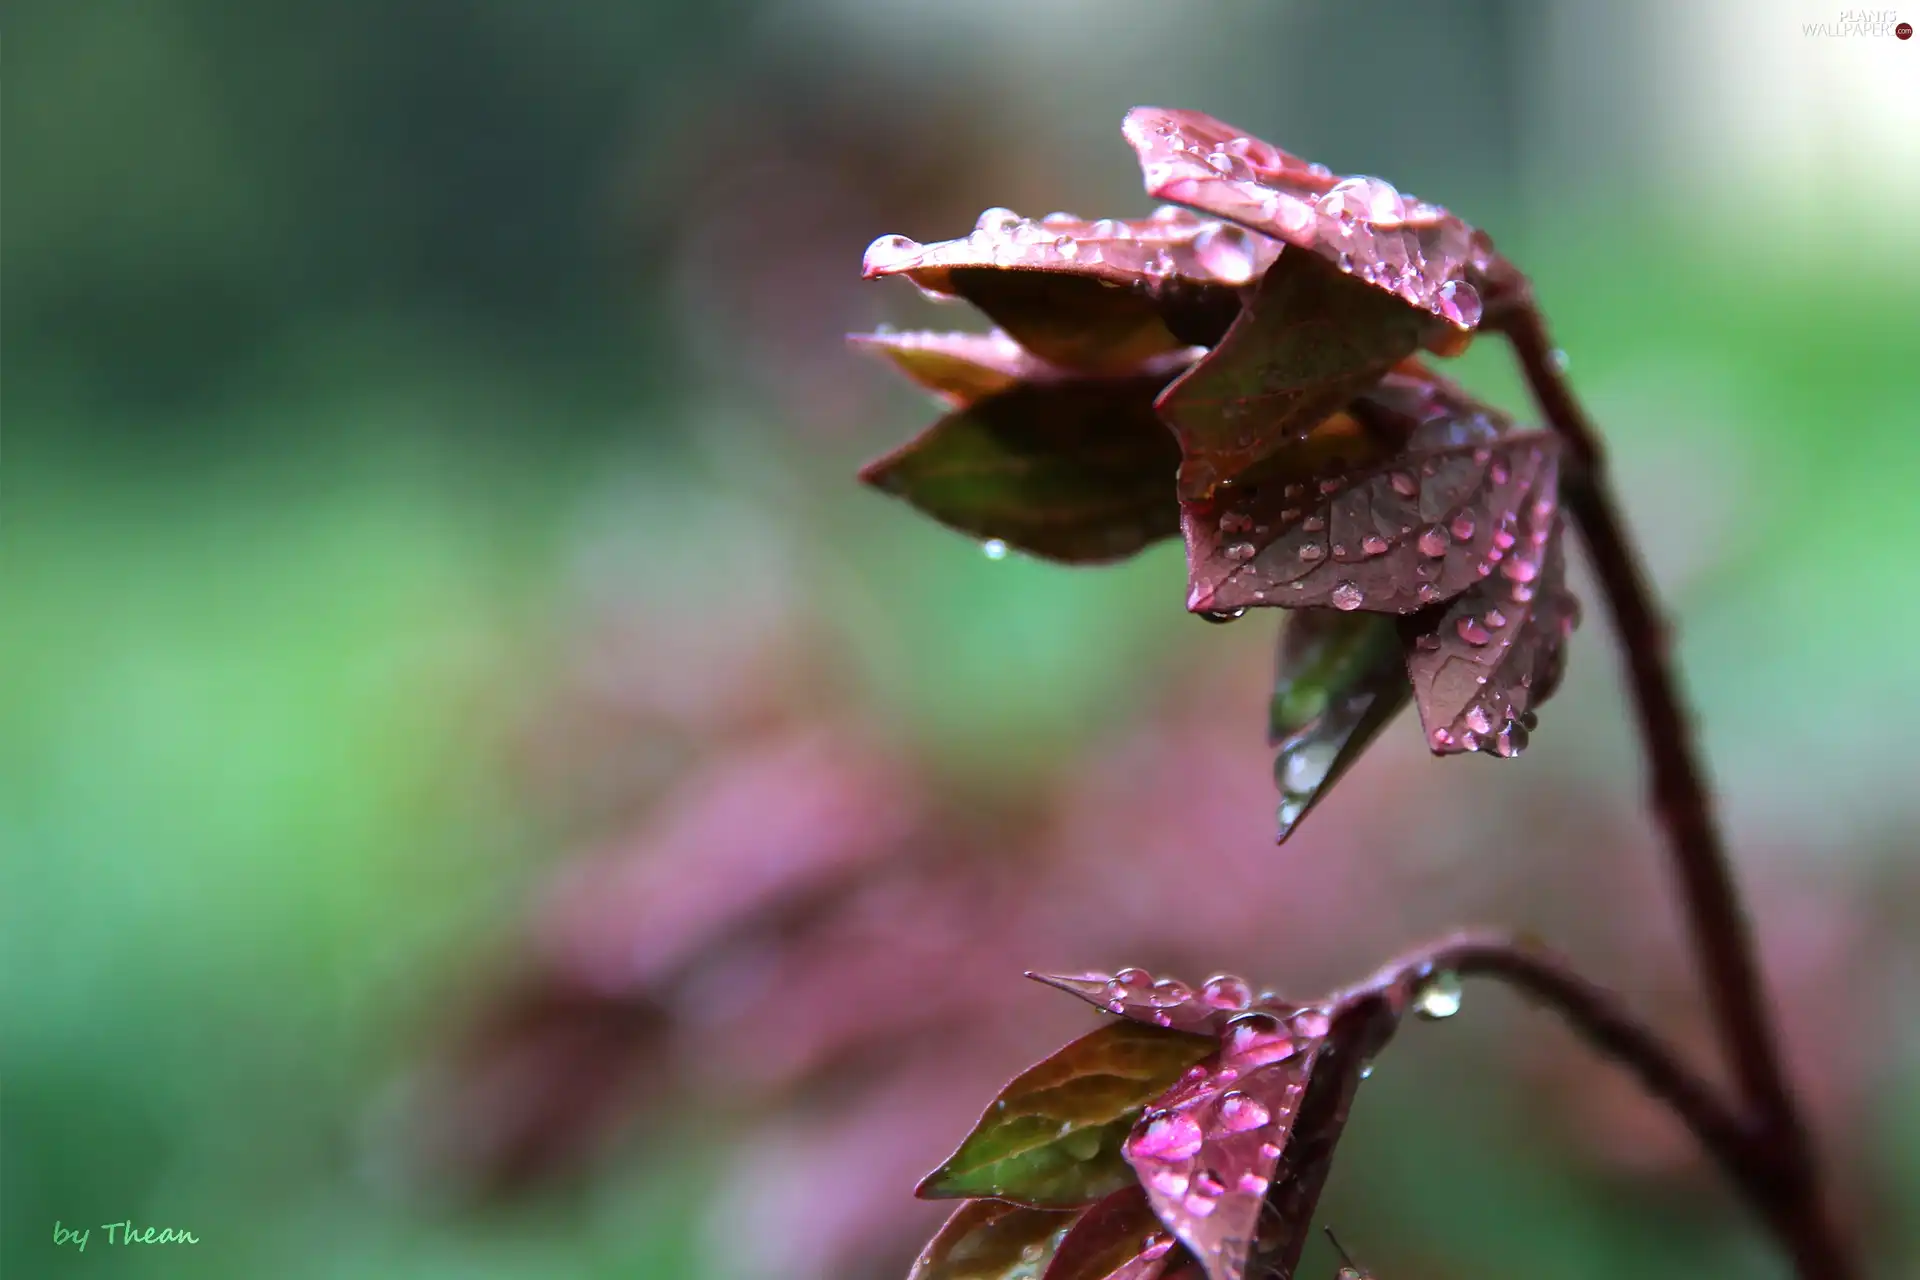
[
  {"x": 1311, "y": 551},
  {"x": 1157, "y": 1245},
  {"x": 1311, "y": 1023},
  {"x": 1240, "y": 1112},
  {"x": 1081, "y": 1144},
  {"x": 1558, "y": 360},
  {"x": 1511, "y": 740},
  {"x": 1438, "y": 997},
  {"x": 1441, "y": 738},
  {"x": 1168, "y": 1181},
  {"x": 1067, "y": 247},
  {"x": 1433, "y": 541},
  {"x": 1426, "y": 593},
  {"x": 1305, "y": 766},
  {"x": 1169, "y": 993},
  {"x": 1224, "y": 991},
  {"x": 1462, "y": 526},
  {"x": 1252, "y": 1184},
  {"x": 1240, "y": 552},
  {"x": 1366, "y": 1071},
  {"x": 1032, "y": 1251},
  {"x": 1478, "y": 720},
  {"x": 1495, "y": 618},
  {"x": 1374, "y": 545},
  {"x": 1458, "y": 302},
  {"x": 1168, "y": 1138},
  {"x": 889, "y": 253},
  {"x": 1520, "y": 569},
  {"x": 994, "y": 549},
  {"x": 1221, "y": 616},
  {"x": 1471, "y": 631},
  {"x": 1346, "y": 596},
  {"x": 1314, "y": 524},
  {"x": 1404, "y": 485},
  {"x": 997, "y": 222},
  {"x": 1362, "y": 199},
  {"x": 1499, "y": 472},
  {"x": 1235, "y": 522},
  {"x": 1255, "y": 1039},
  {"x": 1427, "y": 642}
]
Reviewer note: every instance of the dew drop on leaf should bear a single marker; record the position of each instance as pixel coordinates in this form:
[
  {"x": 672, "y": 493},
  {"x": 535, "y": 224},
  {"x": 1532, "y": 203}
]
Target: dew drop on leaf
[
  {"x": 1438, "y": 996},
  {"x": 1220, "y": 616},
  {"x": 1240, "y": 1112},
  {"x": 994, "y": 549},
  {"x": 1347, "y": 596},
  {"x": 1224, "y": 991},
  {"x": 1433, "y": 541},
  {"x": 1170, "y": 1138}
]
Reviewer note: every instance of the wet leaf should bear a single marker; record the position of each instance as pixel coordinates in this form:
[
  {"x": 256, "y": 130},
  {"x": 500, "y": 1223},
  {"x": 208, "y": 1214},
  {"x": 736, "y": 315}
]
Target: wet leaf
[
  {"x": 1483, "y": 664},
  {"x": 1340, "y": 679},
  {"x": 1207, "y": 1151},
  {"x": 1341, "y": 522},
  {"x": 958, "y": 367},
  {"x": 1359, "y": 1029},
  {"x": 1307, "y": 342},
  {"x": 990, "y": 1240},
  {"x": 1051, "y": 1139},
  {"x": 1136, "y": 994},
  {"x": 1119, "y": 1238},
  {"x": 1100, "y": 296},
  {"x": 1076, "y": 471},
  {"x": 1404, "y": 247}
]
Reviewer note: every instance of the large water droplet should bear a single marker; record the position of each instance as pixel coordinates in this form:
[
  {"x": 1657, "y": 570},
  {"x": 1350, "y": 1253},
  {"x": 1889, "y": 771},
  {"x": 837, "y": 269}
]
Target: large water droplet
[
  {"x": 1312, "y": 1023},
  {"x": 1311, "y": 551},
  {"x": 1220, "y": 616},
  {"x": 997, "y": 222},
  {"x": 1374, "y": 545},
  {"x": 1306, "y": 766},
  {"x": 1433, "y": 541},
  {"x": 1362, "y": 199},
  {"x": 1472, "y": 631},
  {"x": 1478, "y": 720},
  {"x": 1438, "y": 996},
  {"x": 1240, "y": 1112},
  {"x": 1255, "y": 1039},
  {"x": 1462, "y": 526},
  {"x": 1226, "y": 253},
  {"x": 1225, "y": 991},
  {"x": 1167, "y": 1138},
  {"x": 994, "y": 549},
  {"x": 1169, "y": 993},
  {"x": 1240, "y": 552},
  {"x": 1404, "y": 484},
  {"x": 1458, "y": 302},
  {"x": 1347, "y": 596},
  {"x": 1081, "y": 1144}
]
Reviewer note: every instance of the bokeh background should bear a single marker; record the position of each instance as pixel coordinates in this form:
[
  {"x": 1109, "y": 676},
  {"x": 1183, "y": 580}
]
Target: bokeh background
[{"x": 485, "y": 794}]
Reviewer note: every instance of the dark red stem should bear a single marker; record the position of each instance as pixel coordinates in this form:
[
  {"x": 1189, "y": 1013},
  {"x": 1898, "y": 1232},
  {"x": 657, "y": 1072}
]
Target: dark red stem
[
  {"x": 1722, "y": 940},
  {"x": 1742, "y": 1151}
]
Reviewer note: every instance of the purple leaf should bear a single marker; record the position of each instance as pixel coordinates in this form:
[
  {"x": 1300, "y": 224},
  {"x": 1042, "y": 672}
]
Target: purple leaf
[
  {"x": 1208, "y": 1150},
  {"x": 1415, "y": 251},
  {"x": 989, "y": 1240},
  {"x": 1307, "y": 342},
  {"x": 1076, "y": 471},
  {"x": 1343, "y": 523},
  {"x": 1119, "y": 1238},
  {"x": 1340, "y": 678},
  {"x": 1484, "y": 663},
  {"x": 1100, "y": 296},
  {"x": 1359, "y": 1029}
]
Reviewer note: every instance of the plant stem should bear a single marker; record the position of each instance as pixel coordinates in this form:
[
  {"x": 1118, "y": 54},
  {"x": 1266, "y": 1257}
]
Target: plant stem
[
  {"x": 1722, "y": 940},
  {"x": 1740, "y": 1150}
]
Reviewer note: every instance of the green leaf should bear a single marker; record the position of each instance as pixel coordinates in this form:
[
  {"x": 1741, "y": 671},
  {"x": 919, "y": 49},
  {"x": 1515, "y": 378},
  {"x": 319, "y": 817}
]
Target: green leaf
[
  {"x": 1307, "y": 342},
  {"x": 1340, "y": 678},
  {"x": 1052, "y": 1138},
  {"x": 992, "y": 1240},
  {"x": 1076, "y": 471}
]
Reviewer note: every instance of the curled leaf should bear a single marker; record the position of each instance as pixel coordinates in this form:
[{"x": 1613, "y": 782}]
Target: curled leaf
[
  {"x": 1340, "y": 679},
  {"x": 1119, "y": 1238},
  {"x": 1483, "y": 664},
  {"x": 1393, "y": 534},
  {"x": 1207, "y": 1151},
  {"x": 990, "y": 1240},
  {"x": 1076, "y": 471},
  {"x": 1052, "y": 1137},
  {"x": 1308, "y": 341},
  {"x": 1136, "y": 994},
  {"x": 960, "y": 368},
  {"x": 1099, "y": 296},
  {"x": 1413, "y": 250}
]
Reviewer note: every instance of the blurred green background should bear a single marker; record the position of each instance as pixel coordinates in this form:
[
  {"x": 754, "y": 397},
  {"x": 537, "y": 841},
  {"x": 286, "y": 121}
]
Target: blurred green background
[{"x": 357, "y": 356}]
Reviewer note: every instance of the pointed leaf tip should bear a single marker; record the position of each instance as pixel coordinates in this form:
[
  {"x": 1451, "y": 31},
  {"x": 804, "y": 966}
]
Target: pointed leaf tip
[{"x": 1339, "y": 680}]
